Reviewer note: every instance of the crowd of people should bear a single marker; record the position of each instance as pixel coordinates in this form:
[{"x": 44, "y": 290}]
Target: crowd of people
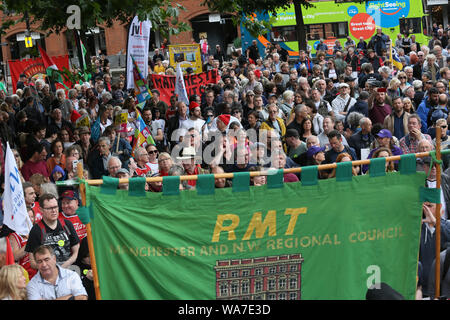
[{"x": 267, "y": 111}]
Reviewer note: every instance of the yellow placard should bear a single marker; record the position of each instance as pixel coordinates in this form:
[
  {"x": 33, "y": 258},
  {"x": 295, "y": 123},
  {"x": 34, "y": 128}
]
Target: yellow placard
[
  {"x": 28, "y": 42},
  {"x": 121, "y": 118},
  {"x": 188, "y": 55},
  {"x": 83, "y": 121}
]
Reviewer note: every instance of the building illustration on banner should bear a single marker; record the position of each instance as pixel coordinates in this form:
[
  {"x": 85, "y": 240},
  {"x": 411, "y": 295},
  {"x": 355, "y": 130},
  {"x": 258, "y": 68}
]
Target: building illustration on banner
[{"x": 262, "y": 278}]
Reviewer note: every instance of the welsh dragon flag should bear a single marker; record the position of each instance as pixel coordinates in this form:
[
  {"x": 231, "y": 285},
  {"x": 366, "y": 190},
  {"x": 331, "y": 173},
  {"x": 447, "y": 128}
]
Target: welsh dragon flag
[{"x": 50, "y": 67}]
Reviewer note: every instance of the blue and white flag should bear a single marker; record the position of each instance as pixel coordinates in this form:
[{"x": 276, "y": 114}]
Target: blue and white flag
[
  {"x": 14, "y": 207},
  {"x": 180, "y": 88}
]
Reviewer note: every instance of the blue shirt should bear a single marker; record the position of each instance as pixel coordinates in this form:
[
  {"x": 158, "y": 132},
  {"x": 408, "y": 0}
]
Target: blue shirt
[{"x": 67, "y": 282}]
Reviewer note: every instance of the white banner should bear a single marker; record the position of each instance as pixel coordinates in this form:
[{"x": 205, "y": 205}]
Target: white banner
[
  {"x": 180, "y": 88},
  {"x": 14, "y": 207},
  {"x": 138, "y": 45}
]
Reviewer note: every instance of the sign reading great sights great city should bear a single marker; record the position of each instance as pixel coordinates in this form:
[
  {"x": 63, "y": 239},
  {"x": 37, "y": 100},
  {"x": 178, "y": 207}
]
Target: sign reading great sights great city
[{"x": 331, "y": 240}]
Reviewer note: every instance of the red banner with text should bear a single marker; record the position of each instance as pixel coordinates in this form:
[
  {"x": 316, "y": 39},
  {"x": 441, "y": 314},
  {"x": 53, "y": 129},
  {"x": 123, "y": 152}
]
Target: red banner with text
[
  {"x": 195, "y": 83},
  {"x": 34, "y": 68}
]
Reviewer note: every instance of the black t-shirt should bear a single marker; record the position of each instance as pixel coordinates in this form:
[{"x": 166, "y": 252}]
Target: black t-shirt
[{"x": 58, "y": 239}]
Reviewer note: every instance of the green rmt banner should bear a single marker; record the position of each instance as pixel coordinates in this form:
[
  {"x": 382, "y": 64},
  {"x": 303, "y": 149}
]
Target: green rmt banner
[{"x": 327, "y": 239}]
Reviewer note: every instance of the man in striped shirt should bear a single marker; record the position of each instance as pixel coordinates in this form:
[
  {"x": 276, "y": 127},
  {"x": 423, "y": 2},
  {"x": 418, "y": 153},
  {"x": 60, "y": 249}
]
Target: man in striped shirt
[{"x": 410, "y": 142}]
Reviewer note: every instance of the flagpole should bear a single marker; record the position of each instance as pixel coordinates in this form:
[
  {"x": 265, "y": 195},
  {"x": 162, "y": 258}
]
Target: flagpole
[
  {"x": 437, "y": 273},
  {"x": 89, "y": 235}
]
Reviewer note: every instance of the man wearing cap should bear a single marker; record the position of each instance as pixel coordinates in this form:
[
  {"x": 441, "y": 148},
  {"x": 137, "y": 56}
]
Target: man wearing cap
[
  {"x": 363, "y": 138},
  {"x": 195, "y": 121},
  {"x": 55, "y": 232},
  {"x": 295, "y": 146},
  {"x": 397, "y": 121},
  {"x": 70, "y": 202},
  {"x": 410, "y": 142},
  {"x": 379, "y": 109},
  {"x": 343, "y": 102},
  {"x": 123, "y": 173}
]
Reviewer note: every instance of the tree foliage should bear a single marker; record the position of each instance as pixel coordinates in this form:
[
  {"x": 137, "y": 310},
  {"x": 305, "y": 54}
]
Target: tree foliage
[
  {"x": 51, "y": 15},
  {"x": 244, "y": 10}
]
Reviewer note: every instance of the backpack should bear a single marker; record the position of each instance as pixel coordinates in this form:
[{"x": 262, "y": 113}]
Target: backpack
[{"x": 44, "y": 233}]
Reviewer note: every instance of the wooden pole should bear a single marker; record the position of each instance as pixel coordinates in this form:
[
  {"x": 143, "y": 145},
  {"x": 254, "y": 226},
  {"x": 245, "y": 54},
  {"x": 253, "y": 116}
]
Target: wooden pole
[
  {"x": 89, "y": 235},
  {"x": 437, "y": 289},
  {"x": 97, "y": 182}
]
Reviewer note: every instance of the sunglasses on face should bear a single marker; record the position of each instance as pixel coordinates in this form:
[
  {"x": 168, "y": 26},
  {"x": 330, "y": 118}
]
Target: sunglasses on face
[{"x": 153, "y": 151}]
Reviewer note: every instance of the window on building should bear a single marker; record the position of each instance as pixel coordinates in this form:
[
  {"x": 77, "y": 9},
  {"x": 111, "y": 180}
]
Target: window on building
[
  {"x": 258, "y": 286},
  {"x": 326, "y": 30},
  {"x": 293, "y": 296},
  {"x": 284, "y": 33},
  {"x": 272, "y": 283},
  {"x": 271, "y": 296},
  {"x": 273, "y": 270},
  {"x": 282, "y": 283},
  {"x": 413, "y": 25},
  {"x": 223, "y": 289},
  {"x": 245, "y": 273},
  {"x": 258, "y": 271},
  {"x": 282, "y": 296},
  {"x": 234, "y": 274},
  {"x": 282, "y": 268},
  {"x": 234, "y": 288},
  {"x": 245, "y": 287},
  {"x": 293, "y": 283},
  {"x": 224, "y": 274},
  {"x": 293, "y": 268}
]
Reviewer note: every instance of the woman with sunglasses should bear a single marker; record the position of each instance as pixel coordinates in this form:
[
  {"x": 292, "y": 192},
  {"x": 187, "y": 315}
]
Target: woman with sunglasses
[
  {"x": 403, "y": 81},
  {"x": 153, "y": 158}
]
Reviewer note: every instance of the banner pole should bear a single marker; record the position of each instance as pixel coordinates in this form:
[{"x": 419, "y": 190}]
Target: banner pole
[
  {"x": 437, "y": 289},
  {"x": 98, "y": 182},
  {"x": 89, "y": 235}
]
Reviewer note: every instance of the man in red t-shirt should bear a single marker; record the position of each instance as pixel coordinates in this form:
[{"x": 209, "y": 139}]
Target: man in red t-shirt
[{"x": 69, "y": 205}]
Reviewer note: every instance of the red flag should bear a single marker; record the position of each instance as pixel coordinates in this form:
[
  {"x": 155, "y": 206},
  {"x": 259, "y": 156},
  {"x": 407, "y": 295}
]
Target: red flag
[
  {"x": 9, "y": 253},
  {"x": 48, "y": 62},
  {"x": 74, "y": 116}
]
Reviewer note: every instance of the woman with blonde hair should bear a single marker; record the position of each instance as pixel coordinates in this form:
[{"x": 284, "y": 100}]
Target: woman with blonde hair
[
  {"x": 393, "y": 89},
  {"x": 408, "y": 105},
  {"x": 13, "y": 283},
  {"x": 403, "y": 80}
]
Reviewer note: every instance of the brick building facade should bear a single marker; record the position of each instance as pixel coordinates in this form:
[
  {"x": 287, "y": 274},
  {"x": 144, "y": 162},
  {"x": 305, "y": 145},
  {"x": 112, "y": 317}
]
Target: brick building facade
[
  {"x": 263, "y": 278},
  {"x": 113, "y": 40}
]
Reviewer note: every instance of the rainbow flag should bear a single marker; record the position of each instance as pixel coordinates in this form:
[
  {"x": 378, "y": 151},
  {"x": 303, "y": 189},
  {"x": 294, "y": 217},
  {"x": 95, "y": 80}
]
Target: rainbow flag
[
  {"x": 141, "y": 89},
  {"x": 142, "y": 134}
]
